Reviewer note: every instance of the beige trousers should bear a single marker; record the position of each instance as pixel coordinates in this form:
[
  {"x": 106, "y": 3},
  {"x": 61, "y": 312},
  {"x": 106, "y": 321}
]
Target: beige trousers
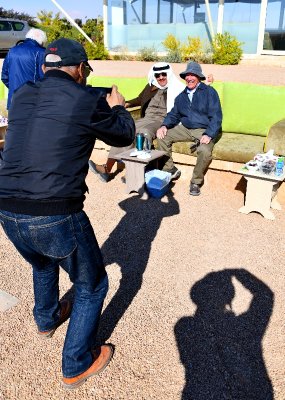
[{"x": 181, "y": 134}]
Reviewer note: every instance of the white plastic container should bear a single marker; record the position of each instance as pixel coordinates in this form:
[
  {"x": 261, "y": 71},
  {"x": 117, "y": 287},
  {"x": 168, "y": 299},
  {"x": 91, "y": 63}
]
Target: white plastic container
[{"x": 157, "y": 182}]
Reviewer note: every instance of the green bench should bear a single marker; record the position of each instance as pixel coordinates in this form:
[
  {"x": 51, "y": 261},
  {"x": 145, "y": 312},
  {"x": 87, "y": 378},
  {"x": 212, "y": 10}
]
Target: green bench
[{"x": 253, "y": 117}]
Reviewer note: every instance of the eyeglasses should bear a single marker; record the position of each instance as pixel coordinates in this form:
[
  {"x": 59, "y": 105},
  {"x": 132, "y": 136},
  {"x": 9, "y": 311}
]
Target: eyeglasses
[
  {"x": 87, "y": 70},
  {"x": 164, "y": 74}
]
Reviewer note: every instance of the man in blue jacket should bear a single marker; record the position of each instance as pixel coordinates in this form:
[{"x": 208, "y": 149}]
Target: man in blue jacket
[
  {"x": 53, "y": 124},
  {"x": 196, "y": 116},
  {"x": 23, "y": 62}
]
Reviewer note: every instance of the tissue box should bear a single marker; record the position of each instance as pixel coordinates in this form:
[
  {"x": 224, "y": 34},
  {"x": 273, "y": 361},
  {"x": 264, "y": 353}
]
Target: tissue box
[{"x": 157, "y": 182}]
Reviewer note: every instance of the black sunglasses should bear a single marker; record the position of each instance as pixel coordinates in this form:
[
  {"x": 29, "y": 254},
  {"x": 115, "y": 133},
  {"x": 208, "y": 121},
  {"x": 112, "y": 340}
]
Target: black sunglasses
[
  {"x": 87, "y": 71},
  {"x": 164, "y": 74}
]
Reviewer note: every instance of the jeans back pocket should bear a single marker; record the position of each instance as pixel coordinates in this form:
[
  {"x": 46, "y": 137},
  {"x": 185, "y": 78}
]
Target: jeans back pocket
[{"x": 55, "y": 238}]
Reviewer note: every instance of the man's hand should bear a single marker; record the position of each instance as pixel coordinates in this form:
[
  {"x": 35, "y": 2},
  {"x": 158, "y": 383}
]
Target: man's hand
[
  {"x": 115, "y": 98},
  {"x": 205, "y": 139},
  {"x": 209, "y": 79},
  {"x": 161, "y": 132}
]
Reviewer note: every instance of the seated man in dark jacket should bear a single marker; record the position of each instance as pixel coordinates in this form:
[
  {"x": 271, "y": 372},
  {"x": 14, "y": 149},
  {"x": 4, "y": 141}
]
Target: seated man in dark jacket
[
  {"x": 196, "y": 116},
  {"x": 53, "y": 124}
]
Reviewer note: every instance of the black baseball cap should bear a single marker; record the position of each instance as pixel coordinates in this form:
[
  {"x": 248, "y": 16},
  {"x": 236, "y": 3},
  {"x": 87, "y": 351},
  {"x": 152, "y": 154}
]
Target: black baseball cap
[{"x": 70, "y": 51}]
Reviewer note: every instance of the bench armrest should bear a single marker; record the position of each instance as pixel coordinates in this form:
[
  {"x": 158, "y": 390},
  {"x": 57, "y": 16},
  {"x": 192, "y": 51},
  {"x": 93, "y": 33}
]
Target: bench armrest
[{"x": 276, "y": 138}]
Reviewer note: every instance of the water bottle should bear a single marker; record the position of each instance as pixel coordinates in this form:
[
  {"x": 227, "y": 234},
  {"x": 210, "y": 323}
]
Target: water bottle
[
  {"x": 147, "y": 144},
  {"x": 279, "y": 166},
  {"x": 139, "y": 141}
]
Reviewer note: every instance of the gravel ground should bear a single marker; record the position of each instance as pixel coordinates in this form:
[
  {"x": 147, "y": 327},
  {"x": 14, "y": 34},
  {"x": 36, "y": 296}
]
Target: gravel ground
[
  {"x": 155, "y": 252},
  {"x": 170, "y": 344}
]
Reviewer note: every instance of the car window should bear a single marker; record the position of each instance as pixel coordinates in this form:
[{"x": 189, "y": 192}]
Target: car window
[
  {"x": 5, "y": 26},
  {"x": 18, "y": 26}
]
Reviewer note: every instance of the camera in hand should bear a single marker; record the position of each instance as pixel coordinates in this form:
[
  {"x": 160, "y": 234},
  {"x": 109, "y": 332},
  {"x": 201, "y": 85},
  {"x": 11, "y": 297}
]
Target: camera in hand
[{"x": 103, "y": 91}]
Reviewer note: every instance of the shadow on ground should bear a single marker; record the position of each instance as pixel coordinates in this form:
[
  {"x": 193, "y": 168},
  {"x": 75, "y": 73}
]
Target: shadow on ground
[
  {"x": 129, "y": 246},
  {"x": 222, "y": 352}
]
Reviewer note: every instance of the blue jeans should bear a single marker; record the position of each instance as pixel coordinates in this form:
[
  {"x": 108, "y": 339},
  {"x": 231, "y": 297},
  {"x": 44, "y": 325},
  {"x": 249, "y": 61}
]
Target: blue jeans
[{"x": 67, "y": 241}]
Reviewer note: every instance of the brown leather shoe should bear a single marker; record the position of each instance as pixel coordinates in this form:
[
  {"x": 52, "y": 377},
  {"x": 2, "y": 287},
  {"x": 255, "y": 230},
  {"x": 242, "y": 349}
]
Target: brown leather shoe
[
  {"x": 65, "y": 311},
  {"x": 102, "y": 357}
]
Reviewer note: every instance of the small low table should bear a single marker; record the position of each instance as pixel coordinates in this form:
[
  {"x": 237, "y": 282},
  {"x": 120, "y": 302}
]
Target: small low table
[
  {"x": 261, "y": 192},
  {"x": 135, "y": 170}
]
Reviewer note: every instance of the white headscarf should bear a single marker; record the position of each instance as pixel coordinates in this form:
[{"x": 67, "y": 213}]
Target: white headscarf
[{"x": 174, "y": 86}]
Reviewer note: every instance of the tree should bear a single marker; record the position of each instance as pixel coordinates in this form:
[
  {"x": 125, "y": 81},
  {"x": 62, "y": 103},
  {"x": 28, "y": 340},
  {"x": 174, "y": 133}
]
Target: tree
[
  {"x": 57, "y": 27},
  {"x": 94, "y": 29},
  {"x": 15, "y": 14},
  {"x": 46, "y": 17}
]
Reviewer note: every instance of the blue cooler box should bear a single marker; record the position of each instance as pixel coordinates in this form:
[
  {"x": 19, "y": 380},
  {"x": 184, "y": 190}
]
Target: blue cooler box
[{"x": 157, "y": 182}]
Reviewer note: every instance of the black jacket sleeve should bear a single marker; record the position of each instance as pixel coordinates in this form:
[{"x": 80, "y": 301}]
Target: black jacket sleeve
[{"x": 115, "y": 128}]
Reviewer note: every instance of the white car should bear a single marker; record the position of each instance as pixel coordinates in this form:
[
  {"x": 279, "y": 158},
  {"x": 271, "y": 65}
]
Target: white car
[{"x": 12, "y": 32}]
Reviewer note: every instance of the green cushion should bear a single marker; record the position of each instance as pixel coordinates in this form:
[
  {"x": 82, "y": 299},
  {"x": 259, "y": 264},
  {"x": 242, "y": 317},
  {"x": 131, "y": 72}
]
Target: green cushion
[
  {"x": 3, "y": 91},
  {"x": 219, "y": 86},
  {"x": 129, "y": 87},
  {"x": 252, "y": 109},
  {"x": 237, "y": 148},
  {"x": 229, "y": 147}
]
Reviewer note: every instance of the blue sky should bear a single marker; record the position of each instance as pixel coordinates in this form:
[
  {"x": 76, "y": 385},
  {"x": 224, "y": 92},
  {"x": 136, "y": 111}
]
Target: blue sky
[{"x": 75, "y": 8}]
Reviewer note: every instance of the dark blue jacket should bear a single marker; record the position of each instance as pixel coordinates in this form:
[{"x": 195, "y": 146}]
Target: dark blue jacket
[
  {"x": 204, "y": 111},
  {"x": 22, "y": 64},
  {"x": 51, "y": 133}
]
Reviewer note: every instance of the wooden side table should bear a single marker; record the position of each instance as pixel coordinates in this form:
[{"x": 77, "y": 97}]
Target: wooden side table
[
  {"x": 135, "y": 170},
  {"x": 261, "y": 192}
]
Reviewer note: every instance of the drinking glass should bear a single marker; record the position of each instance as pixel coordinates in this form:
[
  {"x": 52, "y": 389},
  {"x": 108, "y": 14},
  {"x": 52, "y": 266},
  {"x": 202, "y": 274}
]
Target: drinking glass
[{"x": 147, "y": 144}]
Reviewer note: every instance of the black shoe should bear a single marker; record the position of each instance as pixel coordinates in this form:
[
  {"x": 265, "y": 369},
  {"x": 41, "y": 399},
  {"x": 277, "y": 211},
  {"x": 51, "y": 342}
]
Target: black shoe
[
  {"x": 194, "y": 189},
  {"x": 104, "y": 176},
  {"x": 175, "y": 173}
]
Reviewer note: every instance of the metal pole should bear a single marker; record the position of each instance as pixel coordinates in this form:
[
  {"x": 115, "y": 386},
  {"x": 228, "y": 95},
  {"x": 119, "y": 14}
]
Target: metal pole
[
  {"x": 220, "y": 16},
  {"x": 262, "y": 25},
  {"x": 105, "y": 22},
  {"x": 210, "y": 19},
  {"x": 71, "y": 20}
]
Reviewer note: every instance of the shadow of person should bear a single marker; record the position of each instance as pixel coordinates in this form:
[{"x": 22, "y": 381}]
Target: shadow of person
[
  {"x": 129, "y": 246},
  {"x": 221, "y": 351}
]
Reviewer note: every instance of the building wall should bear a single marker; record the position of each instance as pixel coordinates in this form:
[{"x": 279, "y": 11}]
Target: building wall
[{"x": 135, "y": 24}]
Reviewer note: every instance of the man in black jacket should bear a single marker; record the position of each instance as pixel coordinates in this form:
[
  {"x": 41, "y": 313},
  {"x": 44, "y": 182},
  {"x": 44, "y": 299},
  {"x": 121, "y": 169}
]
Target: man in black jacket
[{"x": 53, "y": 125}]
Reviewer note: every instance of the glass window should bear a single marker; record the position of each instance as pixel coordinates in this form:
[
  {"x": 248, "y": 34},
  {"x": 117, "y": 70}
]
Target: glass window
[
  {"x": 18, "y": 26},
  {"x": 157, "y": 19},
  {"x": 134, "y": 12},
  {"x": 241, "y": 19},
  {"x": 274, "y": 35},
  {"x": 5, "y": 26}
]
